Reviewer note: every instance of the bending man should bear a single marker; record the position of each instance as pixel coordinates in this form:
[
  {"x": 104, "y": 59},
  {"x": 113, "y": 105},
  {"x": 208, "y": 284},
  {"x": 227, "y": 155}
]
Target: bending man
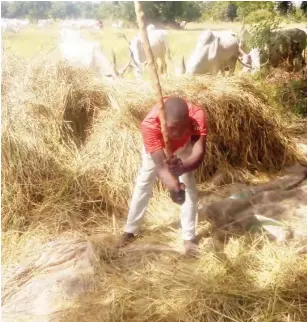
[{"x": 186, "y": 124}]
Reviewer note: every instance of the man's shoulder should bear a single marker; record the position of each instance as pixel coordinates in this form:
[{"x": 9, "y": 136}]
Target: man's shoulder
[
  {"x": 193, "y": 108},
  {"x": 152, "y": 116}
]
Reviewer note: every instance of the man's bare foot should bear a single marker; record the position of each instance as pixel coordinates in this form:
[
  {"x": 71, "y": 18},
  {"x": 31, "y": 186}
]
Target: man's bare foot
[
  {"x": 126, "y": 238},
  {"x": 190, "y": 248}
]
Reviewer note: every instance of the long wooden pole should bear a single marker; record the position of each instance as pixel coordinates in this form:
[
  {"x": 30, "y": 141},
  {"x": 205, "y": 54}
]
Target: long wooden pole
[{"x": 155, "y": 78}]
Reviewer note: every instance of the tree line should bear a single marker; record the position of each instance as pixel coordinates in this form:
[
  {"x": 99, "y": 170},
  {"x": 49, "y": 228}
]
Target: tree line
[{"x": 164, "y": 11}]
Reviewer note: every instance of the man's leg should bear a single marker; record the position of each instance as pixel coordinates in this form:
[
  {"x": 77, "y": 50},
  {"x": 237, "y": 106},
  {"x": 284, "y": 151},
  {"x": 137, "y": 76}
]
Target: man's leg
[
  {"x": 189, "y": 208},
  {"x": 141, "y": 195}
]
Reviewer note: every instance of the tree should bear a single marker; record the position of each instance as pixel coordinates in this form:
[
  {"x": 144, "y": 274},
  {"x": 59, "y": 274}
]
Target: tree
[
  {"x": 284, "y": 7},
  {"x": 247, "y": 7},
  {"x": 216, "y": 11},
  {"x": 37, "y": 9},
  {"x": 231, "y": 12},
  {"x": 164, "y": 11},
  {"x": 15, "y": 9},
  {"x": 4, "y": 8},
  {"x": 58, "y": 10},
  {"x": 303, "y": 7}
]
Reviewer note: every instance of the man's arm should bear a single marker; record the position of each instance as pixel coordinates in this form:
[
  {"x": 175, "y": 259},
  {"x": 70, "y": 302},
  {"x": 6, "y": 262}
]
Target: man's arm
[
  {"x": 197, "y": 155},
  {"x": 164, "y": 174}
]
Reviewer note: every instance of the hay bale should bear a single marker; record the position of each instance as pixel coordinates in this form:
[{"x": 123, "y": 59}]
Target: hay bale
[
  {"x": 47, "y": 109},
  {"x": 71, "y": 144},
  {"x": 245, "y": 136}
]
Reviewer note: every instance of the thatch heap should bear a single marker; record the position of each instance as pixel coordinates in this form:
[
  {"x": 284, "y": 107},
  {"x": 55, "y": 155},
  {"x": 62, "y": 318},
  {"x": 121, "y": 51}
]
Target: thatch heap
[
  {"x": 70, "y": 148},
  {"x": 71, "y": 143}
]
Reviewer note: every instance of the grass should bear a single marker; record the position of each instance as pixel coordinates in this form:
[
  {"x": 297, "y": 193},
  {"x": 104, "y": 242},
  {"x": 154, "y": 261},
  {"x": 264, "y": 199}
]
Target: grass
[{"x": 62, "y": 130}]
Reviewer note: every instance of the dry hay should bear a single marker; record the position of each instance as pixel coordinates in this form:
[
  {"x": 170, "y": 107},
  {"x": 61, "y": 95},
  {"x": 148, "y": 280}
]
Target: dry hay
[
  {"x": 246, "y": 136},
  {"x": 288, "y": 90},
  {"x": 61, "y": 132},
  {"x": 71, "y": 145},
  {"x": 240, "y": 281},
  {"x": 46, "y": 110}
]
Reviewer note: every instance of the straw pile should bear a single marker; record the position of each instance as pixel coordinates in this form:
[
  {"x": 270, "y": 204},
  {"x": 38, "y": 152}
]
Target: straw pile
[
  {"x": 46, "y": 111},
  {"x": 241, "y": 281},
  {"x": 71, "y": 144},
  {"x": 70, "y": 154}
]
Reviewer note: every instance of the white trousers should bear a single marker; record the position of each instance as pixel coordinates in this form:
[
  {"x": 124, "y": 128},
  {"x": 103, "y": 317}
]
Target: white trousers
[{"x": 143, "y": 191}]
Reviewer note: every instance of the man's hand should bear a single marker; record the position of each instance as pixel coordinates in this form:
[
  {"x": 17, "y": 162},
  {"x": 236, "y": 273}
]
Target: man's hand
[
  {"x": 178, "y": 196},
  {"x": 175, "y": 166}
]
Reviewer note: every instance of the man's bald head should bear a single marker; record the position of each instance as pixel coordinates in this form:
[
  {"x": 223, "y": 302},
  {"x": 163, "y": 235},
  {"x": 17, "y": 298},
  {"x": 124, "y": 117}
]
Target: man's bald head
[{"x": 176, "y": 109}]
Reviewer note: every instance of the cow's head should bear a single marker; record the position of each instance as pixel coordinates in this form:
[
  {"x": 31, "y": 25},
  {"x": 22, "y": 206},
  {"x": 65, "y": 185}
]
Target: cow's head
[
  {"x": 136, "y": 54},
  {"x": 114, "y": 72},
  {"x": 251, "y": 61}
]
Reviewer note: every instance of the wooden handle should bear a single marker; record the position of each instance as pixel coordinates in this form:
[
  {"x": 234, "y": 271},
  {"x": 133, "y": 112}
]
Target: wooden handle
[{"x": 155, "y": 78}]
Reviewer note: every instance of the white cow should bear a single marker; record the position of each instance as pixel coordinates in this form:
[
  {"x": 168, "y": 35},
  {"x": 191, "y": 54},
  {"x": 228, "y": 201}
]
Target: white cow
[
  {"x": 80, "y": 52},
  {"x": 213, "y": 53},
  {"x": 10, "y": 25},
  {"x": 182, "y": 24},
  {"x": 23, "y": 23},
  {"x": 150, "y": 27},
  {"x": 43, "y": 23},
  {"x": 158, "y": 40},
  {"x": 252, "y": 61},
  {"x": 118, "y": 25},
  {"x": 223, "y": 33}
]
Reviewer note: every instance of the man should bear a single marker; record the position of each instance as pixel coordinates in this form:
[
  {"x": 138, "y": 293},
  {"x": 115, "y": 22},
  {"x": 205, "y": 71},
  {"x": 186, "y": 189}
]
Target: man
[{"x": 186, "y": 126}]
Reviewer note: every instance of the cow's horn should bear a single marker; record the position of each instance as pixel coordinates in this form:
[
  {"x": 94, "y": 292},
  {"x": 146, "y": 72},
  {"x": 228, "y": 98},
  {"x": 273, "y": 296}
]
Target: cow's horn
[
  {"x": 246, "y": 65},
  {"x": 134, "y": 63},
  {"x": 114, "y": 64},
  {"x": 261, "y": 65},
  {"x": 124, "y": 36},
  {"x": 241, "y": 51},
  {"x": 183, "y": 67},
  {"x": 126, "y": 66}
]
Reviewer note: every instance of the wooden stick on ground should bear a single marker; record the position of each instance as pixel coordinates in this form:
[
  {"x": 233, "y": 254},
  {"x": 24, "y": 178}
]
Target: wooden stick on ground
[{"x": 155, "y": 78}]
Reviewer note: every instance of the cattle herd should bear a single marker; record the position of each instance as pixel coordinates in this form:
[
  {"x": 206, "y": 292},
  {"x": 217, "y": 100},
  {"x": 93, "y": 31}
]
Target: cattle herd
[
  {"x": 15, "y": 25},
  {"x": 215, "y": 51}
]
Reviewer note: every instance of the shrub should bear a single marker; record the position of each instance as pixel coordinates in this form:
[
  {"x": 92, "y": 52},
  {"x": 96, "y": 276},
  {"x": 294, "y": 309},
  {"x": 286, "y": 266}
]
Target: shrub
[{"x": 259, "y": 15}]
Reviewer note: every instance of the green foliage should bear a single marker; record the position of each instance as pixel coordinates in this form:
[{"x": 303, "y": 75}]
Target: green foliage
[
  {"x": 259, "y": 15},
  {"x": 165, "y": 11},
  {"x": 4, "y": 8},
  {"x": 284, "y": 7},
  {"x": 245, "y": 8},
  {"x": 262, "y": 33},
  {"x": 216, "y": 11},
  {"x": 293, "y": 96},
  {"x": 231, "y": 12},
  {"x": 298, "y": 16}
]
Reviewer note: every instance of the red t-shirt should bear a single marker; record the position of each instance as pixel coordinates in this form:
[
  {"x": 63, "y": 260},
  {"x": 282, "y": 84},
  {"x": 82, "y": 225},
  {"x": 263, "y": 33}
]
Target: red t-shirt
[{"x": 152, "y": 134}]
